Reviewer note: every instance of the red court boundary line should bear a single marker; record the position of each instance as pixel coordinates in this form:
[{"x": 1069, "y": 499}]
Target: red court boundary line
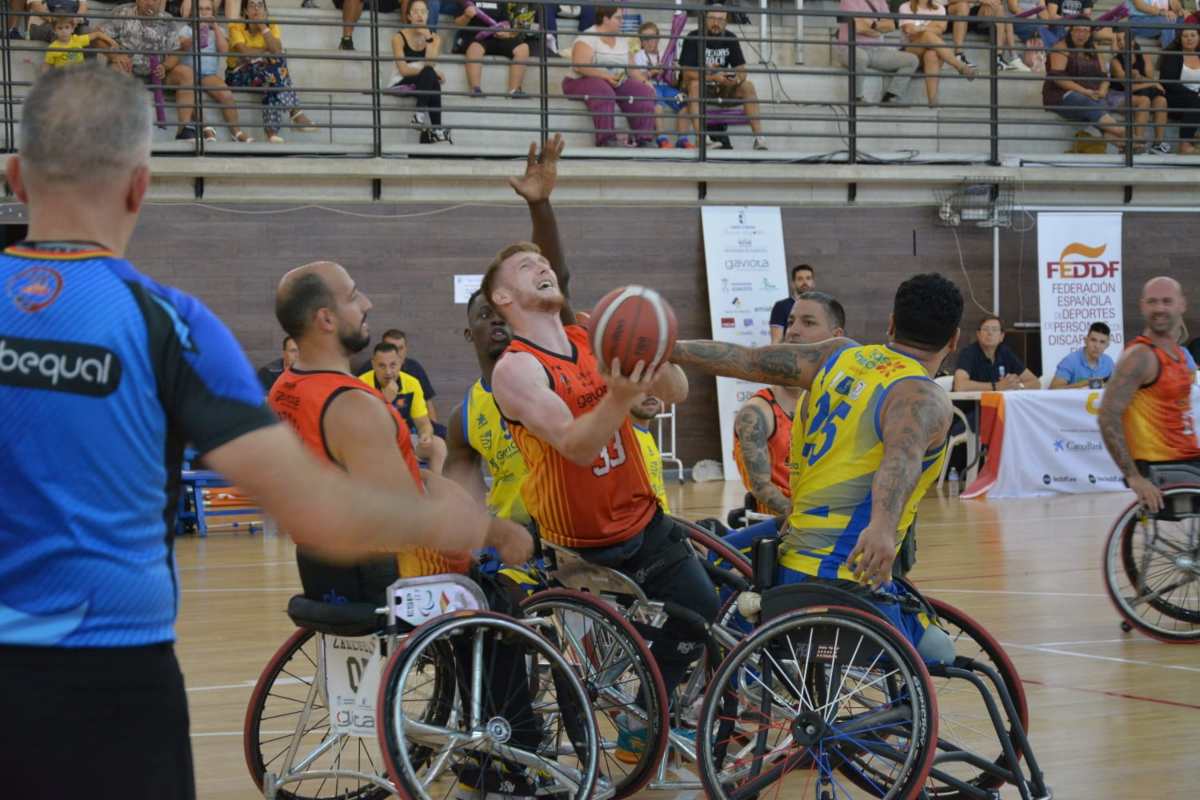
[{"x": 1121, "y": 695}]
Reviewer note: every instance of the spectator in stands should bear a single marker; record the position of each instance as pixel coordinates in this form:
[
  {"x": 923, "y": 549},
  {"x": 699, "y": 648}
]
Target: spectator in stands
[
  {"x": 399, "y": 340},
  {"x": 404, "y": 392},
  {"x": 804, "y": 279},
  {"x": 259, "y": 63},
  {"x": 67, "y": 48},
  {"x": 415, "y": 50},
  {"x": 1088, "y": 366},
  {"x": 268, "y": 373},
  {"x": 1076, "y": 83},
  {"x": 183, "y": 8},
  {"x": 161, "y": 34},
  {"x": 1135, "y": 86},
  {"x": 1179, "y": 69},
  {"x": 923, "y": 38},
  {"x": 874, "y": 50},
  {"x": 989, "y": 364},
  {"x": 983, "y": 11},
  {"x": 604, "y": 76},
  {"x": 1056, "y": 15},
  {"x": 50, "y": 11},
  {"x": 724, "y": 72},
  {"x": 1160, "y": 12},
  {"x": 212, "y": 44},
  {"x": 649, "y": 60},
  {"x": 352, "y": 11},
  {"x": 511, "y": 42},
  {"x": 641, "y": 414},
  {"x": 1030, "y": 27}
]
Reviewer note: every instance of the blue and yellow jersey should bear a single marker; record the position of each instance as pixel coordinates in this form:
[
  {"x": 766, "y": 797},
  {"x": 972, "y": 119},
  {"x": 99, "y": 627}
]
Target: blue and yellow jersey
[
  {"x": 653, "y": 459},
  {"x": 410, "y": 400},
  {"x": 487, "y": 434},
  {"x": 835, "y": 455}
]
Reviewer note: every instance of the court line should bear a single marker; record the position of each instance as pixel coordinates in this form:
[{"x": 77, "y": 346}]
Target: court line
[
  {"x": 195, "y": 735},
  {"x": 1119, "y": 695},
  {"x": 1007, "y": 522},
  {"x": 236, "y": 566},
  {"x": 929, "y": 590},
  {"x": 243, "y": 685},
  {"x": 247, "y": 589},
  {"x": 1094, "y": 657}
]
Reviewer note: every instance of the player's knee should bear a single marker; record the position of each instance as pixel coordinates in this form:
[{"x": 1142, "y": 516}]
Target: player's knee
[{"x": 936, "y": 646}]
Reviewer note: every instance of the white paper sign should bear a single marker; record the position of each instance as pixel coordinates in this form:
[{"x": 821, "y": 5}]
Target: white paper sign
[
  {"x": 420, "y": 603},
  {"x": 1079, "y": 282},
  {"x": 747, "y": 273},
  {"x": 352, "y": 669},
  {"x": 465, "y": 286}
]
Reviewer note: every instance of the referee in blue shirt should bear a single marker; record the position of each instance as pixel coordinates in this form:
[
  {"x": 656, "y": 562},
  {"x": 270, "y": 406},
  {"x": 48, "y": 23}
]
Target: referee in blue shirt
[{"x": 1087, "y": 366}]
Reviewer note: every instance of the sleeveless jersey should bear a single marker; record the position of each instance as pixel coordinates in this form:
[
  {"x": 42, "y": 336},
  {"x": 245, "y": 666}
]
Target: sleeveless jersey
[
  {"x": 653, "y": 460},
  {"x": 779, "y": 448},
  {"x": 605, "y": 503},
  {"x": 835, "y": 455},
  {"x": 487, "y": 434},
  {"x": 105, "y": 375},
  {"x": 300, "y": 398},
  {"x": 1158, "y": 423}
]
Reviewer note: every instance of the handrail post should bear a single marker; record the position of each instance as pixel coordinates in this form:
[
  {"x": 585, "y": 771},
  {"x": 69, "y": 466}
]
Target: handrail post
[
  {"x": 852, "y": 65},
  {"x": 376, "y": 100},
  {"x": 198, "y": 100},
  {"x": 993, "y": 99},
  {"x": 543, "y": 77},
  {"x": 1127, "y": 101}
]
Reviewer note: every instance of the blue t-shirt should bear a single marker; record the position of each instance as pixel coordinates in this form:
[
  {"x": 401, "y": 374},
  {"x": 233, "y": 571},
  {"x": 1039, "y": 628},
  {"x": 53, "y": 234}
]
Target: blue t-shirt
[
  {"x": 104, "y": 377},
  {"x": 1075, "y": 368}
]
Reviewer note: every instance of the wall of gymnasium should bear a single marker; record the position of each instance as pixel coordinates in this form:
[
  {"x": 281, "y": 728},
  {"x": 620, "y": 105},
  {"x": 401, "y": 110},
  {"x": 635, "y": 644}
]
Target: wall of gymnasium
[{"x": 404, "y": 257}]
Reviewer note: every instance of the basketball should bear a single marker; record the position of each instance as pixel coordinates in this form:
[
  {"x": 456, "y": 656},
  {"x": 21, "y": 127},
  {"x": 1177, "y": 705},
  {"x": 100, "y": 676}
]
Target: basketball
[{"x": 632, "y": 324}]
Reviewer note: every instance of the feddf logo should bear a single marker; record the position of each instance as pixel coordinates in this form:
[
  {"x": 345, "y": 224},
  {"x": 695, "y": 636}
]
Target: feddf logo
[{"x": 1085, "y": 265}]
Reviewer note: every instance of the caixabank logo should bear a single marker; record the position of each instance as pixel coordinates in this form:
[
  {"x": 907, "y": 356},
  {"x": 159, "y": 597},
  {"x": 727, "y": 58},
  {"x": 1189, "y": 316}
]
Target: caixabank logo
[{"x": 1079, "y": 261}]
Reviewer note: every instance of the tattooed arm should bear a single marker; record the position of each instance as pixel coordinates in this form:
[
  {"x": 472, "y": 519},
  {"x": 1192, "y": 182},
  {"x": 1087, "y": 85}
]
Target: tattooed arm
[
  {"x": 753, "y": 427},
  {"x": 915, "y": 417},
  {"x": 780, "y": 364},
  {"x": 1136, "y": 368}
]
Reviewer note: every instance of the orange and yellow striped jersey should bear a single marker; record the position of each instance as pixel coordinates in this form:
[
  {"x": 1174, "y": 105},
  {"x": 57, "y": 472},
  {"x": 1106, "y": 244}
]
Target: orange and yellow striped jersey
[{"x": 1158, "y": 422}]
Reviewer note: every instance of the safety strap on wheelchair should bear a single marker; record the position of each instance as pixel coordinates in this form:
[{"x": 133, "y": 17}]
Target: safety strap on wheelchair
[{"x": 676, "y": 551}]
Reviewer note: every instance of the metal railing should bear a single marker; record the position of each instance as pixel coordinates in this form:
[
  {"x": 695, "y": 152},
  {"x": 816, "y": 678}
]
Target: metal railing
[{"x": 807, "y": 112}]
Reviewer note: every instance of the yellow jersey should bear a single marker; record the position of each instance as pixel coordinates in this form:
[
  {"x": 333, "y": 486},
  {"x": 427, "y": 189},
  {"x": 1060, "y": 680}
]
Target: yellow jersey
[
  {"x": 654, "y": 468},
  {"x": 60, "y": 54},
  {"x": 835, "y": 454},
  {"x": 487, "y": 434},
  {"x": 410, "y": 400}
]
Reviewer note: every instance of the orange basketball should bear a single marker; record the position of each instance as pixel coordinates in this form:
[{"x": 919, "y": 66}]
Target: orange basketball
[{"x": 632, "y": 324}]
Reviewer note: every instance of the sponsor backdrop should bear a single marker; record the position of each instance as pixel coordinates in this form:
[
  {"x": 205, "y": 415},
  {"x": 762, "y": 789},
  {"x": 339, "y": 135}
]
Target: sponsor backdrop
[
  {"x": 747, "y": 273},
  {"x": 1079, "y": 282}
]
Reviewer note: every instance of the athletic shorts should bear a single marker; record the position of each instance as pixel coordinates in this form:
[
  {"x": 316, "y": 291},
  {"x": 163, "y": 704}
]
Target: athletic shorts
[
  {"x": 384, "y": 6},
  {"x": 494, "y": 45},
  {"x": 668, "y": 96},
  {"x": 105, "y": 723}
]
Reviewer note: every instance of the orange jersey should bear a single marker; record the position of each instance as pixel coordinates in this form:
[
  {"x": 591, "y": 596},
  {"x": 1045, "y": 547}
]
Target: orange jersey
[
  {"x": 300, "y": 399},
  {"x": 779, "y": 447},
  {"x": 1158, "y": 423},
  {"x": 604, "y": 503}
]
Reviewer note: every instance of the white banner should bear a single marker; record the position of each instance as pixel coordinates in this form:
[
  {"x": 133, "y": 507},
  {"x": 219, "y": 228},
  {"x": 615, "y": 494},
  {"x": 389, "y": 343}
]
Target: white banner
[
  {"x": 747, "y": 273},
  {"x": 352, "y": 669},
  {"x": 1079, "y": 282}
]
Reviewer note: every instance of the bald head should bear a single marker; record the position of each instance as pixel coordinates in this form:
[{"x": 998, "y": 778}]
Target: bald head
[
  {"x": 1162, "y": 284},
  {"x": 1162, "y": 305},
  {"x": 305, "y": 290}
]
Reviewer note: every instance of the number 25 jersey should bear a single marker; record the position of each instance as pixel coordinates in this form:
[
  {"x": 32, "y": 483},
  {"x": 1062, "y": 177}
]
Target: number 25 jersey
[{"x": 599, "y": 505}]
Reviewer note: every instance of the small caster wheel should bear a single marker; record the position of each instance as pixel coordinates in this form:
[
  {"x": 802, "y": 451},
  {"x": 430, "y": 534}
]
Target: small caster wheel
[{"x": 1125, "y": 626}]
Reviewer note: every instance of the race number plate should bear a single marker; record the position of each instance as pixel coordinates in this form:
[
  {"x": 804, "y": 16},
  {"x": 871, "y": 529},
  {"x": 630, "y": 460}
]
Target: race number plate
[
  {"x": 419, "y": 603},
  {"x": 352, "y": 668}
]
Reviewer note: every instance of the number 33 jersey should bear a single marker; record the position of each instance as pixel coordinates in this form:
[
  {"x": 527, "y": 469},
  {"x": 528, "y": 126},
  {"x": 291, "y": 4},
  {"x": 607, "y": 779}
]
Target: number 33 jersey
[
  {"x": 836, "y": 453},
  {"x": 609, "y": 500}
]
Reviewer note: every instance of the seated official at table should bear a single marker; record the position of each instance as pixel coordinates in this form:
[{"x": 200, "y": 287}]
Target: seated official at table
[
  {"x": 1087, "y": 366},
  {"x": 989, "y": 365}
]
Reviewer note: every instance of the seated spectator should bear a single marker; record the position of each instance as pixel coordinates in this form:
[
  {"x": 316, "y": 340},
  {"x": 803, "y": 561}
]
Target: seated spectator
[
  {"x": 352, "y": 11},
  {"x": 1088, "y": 366},
  {"x": 923, "y": 38},
  {"x": 989, "y": 365},
  {"x": 724, "y": 72},
  {"x": 212, "y": 44},
  {"x": 670, "y": 102},
  {"x": 67, "y": 48},
  {"x": 804, "y": 279},
  {"x": 603, "y": 76},
  {"x": 268, "y": 373},
  {"x": 1161, "y": 12},
  {"x": 404, "y": 392},
  {"x": 1030, "y": 26},
  {"x": 43, "y": 30},
  {"x": 1179, "y": 69},
  {"x": 415, "y": 50},
  {"x": 985, "y": 13},
  {"x": 259, "y": 63},
  {"x": 512, "y": 42},
  {"x": 641, "y": 414},
  {"x": 1136, "y": 87},
  {"x": 1058, "y": 13},
  {"x": 399, "y": 339},
  {"x": 183, "y": 8},
  {"x": 873, "y": 51},
  {"x": 1076, "y": 83},
  {"x": 160, "y": 34}
]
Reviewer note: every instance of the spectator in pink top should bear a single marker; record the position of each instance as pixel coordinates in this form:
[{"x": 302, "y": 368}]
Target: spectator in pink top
[{"x": 877, "y": 48}]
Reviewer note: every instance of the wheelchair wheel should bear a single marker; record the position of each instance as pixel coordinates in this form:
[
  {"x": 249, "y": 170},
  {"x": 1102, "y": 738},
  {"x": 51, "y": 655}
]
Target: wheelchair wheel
[
  {"x": 498, "y": 736},
  {"x": 827, "y": 702},
  {"x": 963, "y": 721},
  {"x": 1152, "y": 567},
  {"x": 621, "y": 677},
  {"x": 287, "y": 722}
]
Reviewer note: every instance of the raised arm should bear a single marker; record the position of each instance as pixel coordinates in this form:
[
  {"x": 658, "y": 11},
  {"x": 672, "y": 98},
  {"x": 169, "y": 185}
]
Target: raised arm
[
  {"x": 1136, "y": 368},
  {"x": 535, "y": 187},
  {"x": 754, "y": 425},
  {"x": 780, "y": 364},
  {"x": 915, "y": 418}
]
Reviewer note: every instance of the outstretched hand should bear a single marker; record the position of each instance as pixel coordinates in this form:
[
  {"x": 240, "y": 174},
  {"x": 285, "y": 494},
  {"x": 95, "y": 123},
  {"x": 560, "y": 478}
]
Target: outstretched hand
[{"x": 541, "y": 171}]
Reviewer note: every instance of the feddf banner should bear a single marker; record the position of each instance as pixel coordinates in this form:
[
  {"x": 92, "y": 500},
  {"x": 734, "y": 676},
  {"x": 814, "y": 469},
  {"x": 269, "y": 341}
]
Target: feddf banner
[
  {"x": 1079, "y": 282},
  {"x": 747, "y": 273}
]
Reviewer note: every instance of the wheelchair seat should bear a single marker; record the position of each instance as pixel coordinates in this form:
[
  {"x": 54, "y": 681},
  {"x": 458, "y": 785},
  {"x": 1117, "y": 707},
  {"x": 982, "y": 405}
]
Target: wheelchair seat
[
  {"x": 336, "y": 619},
  {"x": 779, "y": 600},
  {"x": 1163, "y": 473}
]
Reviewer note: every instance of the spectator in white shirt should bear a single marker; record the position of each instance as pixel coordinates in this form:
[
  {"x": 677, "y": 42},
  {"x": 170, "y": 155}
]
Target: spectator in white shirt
[{"x": 923, "y": 38}]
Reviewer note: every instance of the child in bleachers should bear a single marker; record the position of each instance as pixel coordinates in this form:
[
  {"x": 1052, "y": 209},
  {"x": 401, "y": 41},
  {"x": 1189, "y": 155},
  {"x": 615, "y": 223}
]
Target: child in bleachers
[
  {"x": 649, "y": 59},
  {"x": 66, "y": 49}
]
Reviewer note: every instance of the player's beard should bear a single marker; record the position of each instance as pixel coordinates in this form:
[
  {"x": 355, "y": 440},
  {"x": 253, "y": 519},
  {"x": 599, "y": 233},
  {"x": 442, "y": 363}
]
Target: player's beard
[{"x": 354, "y": 340}]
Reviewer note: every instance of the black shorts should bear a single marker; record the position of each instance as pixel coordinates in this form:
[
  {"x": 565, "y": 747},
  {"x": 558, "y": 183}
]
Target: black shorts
[
  {"x": 492, "y": 45},
  {"x": 100, "y": 723},
  {"x": 383, "y": 6}
]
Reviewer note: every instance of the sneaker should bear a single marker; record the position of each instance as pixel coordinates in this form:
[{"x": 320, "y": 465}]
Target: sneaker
[
  {"x": 631, "y": 739},
  {"x": 15, "y": 33},
  {"x": 518, "y": 94},
  {"x": 963, "y": 58},
  {"x": 1017, "y": 64},
  {"x": 420, "y": 120},
  {"x": 760, "y": 143},
  {"x": 665, "y": 143},
  {"x": 497, "y": 783},
  {"x": 347, "y": 43},
  {"x": 186, "y": 133},
  {"x": 722, "y": 142},
  {"x": 441, "y": 136},
  {"x": 475, "y": 92},
  {"x": 1160, "y": 147},
  {"x": 309, "y": 4},
  {"x": 893, "y": 100},
  {"x": 685, "y": 143}
]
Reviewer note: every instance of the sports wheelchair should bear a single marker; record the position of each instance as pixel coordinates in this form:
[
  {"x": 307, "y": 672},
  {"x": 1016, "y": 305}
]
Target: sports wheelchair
[
  {"x": 429, "y": 691},
  {"x": 1152, "y": 561}
]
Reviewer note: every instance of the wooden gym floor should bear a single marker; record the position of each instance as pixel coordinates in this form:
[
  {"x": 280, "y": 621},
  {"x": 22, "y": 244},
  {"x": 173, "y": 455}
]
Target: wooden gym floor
[{"x": 1114, "y": 715}]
